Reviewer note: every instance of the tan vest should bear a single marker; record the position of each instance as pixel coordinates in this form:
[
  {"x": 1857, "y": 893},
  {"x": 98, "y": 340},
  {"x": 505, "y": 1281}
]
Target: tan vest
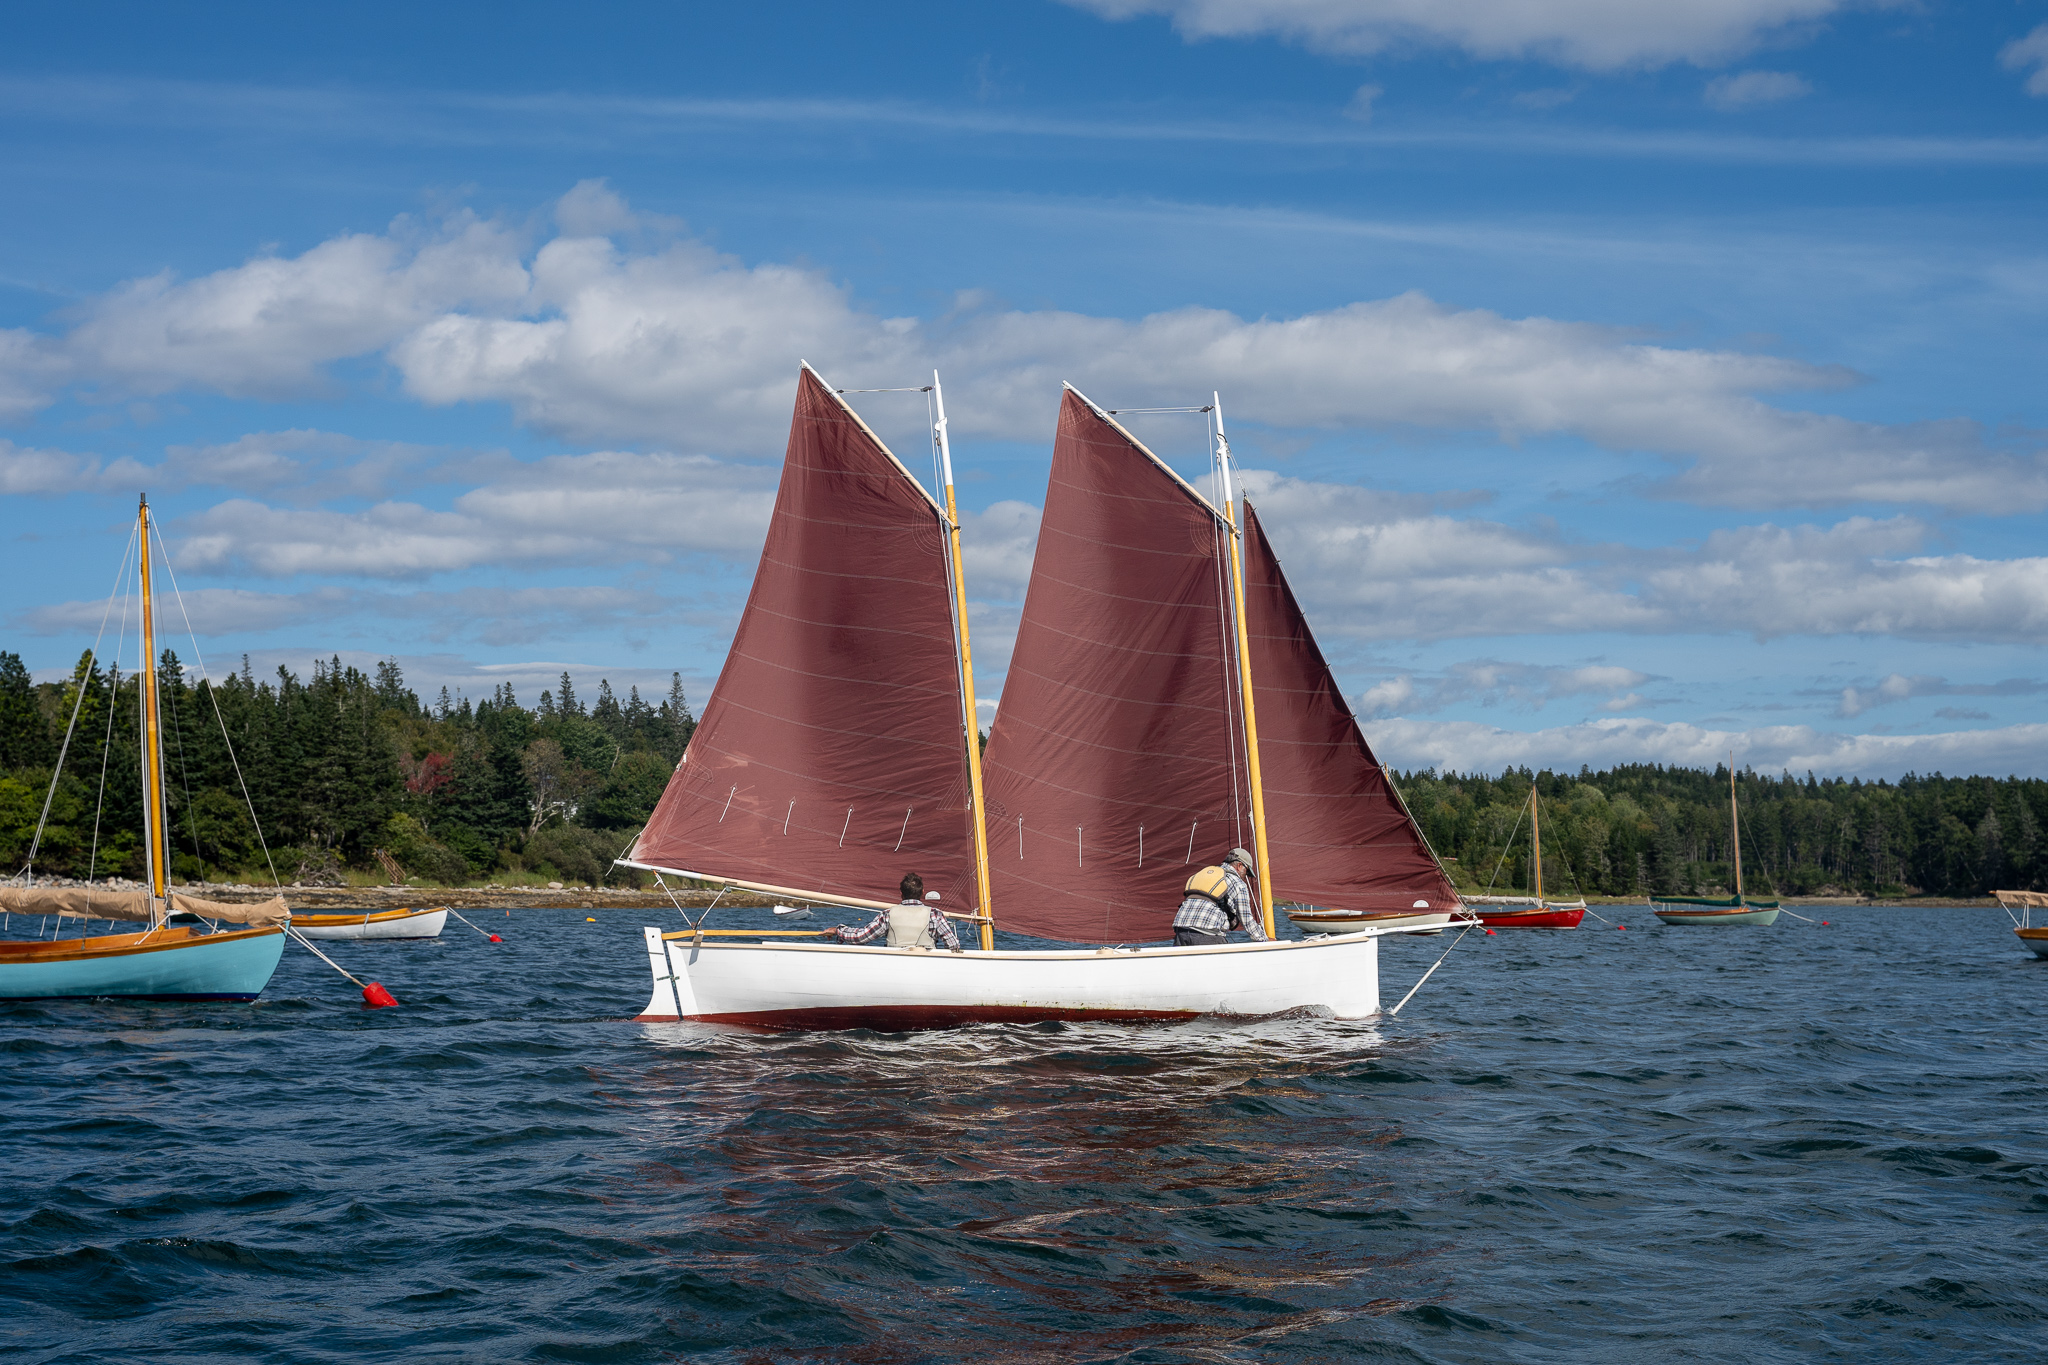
[{"x": 910, "y": 926}]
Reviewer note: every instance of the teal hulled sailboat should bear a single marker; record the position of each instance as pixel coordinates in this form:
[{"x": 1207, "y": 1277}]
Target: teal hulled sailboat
[{"x": 180, "y": 956}]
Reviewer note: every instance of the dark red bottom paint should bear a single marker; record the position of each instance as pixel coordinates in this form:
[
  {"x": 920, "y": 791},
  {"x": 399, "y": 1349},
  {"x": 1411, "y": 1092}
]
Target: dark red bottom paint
[
  {"x": 1534, "y": 919},
  {"x": 908, "y": 1018}
]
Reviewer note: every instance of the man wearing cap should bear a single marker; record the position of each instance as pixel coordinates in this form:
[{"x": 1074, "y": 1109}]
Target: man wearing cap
[{"x": 1207, "y": 914}]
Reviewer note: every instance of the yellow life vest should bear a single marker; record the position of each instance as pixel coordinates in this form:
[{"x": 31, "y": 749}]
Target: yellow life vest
[{"x": 1212, "y": 883}]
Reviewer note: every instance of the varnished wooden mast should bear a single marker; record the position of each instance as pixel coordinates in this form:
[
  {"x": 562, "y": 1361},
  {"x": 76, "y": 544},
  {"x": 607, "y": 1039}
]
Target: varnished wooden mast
[
  {"x": 1735, "y": 827},
  {"x": 155, "y": 837},
  {"x": 971, "y": 717},
  {"x": 1244, "y": 671},
  {"x": 1536, "y": 841}
]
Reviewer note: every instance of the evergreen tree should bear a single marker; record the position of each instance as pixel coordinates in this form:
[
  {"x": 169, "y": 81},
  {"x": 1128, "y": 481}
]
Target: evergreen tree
[{"x": 24, "y": 735}]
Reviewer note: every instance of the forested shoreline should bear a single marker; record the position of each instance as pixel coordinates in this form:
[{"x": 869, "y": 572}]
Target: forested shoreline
[
  {"x": 346, "y": 763},
  {"x": 336, "y": 767},
  {"x": 1643, "y": 828}
]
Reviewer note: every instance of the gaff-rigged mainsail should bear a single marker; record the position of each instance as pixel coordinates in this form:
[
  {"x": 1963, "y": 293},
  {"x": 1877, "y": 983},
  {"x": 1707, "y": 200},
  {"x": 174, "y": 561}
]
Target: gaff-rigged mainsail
[
  {"x": 1109, "y": 766},
  {"x": 830, "y": 759},
  {"x": 1117, "y": 760},
  {"x": 1337, "y": 832}
]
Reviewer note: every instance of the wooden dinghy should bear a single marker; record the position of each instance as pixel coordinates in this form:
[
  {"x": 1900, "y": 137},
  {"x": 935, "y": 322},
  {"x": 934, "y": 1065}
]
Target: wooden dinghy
[
  {"x": 402, "y": 923},
  {"x": 1327, "y": 920},
  {"x": 838, "y": 752}
]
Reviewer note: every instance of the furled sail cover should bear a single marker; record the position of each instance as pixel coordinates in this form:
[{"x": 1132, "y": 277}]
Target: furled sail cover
[
  {"x": 830, "y": 757},
  {"x": 1335, "y": 832},
  {"x": 1108, "y": 769}
]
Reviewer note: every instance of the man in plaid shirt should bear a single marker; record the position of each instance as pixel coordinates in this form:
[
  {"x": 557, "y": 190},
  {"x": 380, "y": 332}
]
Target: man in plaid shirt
[
  {"x": 913, "y": 924},
  {"x": 1201, "y": 920}
]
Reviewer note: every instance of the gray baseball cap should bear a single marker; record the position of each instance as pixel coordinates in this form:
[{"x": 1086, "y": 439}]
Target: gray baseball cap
[{"x": 1238, "y": 855}]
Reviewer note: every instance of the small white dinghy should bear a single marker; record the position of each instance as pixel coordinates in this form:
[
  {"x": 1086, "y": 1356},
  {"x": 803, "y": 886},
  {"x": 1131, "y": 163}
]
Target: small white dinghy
[{"x": 405, "y": 923}]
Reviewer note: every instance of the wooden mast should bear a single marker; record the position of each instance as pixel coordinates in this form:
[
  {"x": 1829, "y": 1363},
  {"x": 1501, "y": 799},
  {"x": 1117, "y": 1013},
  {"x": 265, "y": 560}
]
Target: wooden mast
[
  {"x": 1735, "y": 828},
  {"x": 1536, "y": 841},
  {"x": 1244, "y": 669},
  {"x": 155, "y": 835},
  {"x": 971, "y": 719}
]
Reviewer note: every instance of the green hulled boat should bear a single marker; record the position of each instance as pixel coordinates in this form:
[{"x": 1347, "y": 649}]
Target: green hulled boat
[
  {"x": 1735, "y": 909},
  {"x": 1712, "y": 910}
]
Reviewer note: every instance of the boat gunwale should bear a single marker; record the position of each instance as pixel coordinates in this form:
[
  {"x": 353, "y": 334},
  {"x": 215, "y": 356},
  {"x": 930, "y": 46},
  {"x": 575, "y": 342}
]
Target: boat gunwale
[
  {"x": 337, "y": 921},
  {"x": 685, "y": 936},
  {"x": 23, "y": 951}
]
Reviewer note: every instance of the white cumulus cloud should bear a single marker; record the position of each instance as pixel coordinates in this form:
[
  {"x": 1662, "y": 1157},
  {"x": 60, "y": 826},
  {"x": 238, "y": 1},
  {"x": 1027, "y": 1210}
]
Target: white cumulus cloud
[
  {"x": 1594, "y": 34},
  {"x": 2030, "y": 51},
  {"x": 605, "y": 507},
  {"x": 666, "y": 342},
  {"x": 1470, "y": 746}
]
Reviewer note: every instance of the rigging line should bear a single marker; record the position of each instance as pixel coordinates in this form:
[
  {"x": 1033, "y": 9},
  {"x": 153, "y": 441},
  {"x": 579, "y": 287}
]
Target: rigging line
[
  {"x": 1206, "y": 407},
  {"x": 92, "y": 864},
  {"x": 1432, "y": 969},
  {"x": 1504, "y": 853},
  {"x": 120, "y": 576},
  {"x": 911, "y": 388},
  {"x": 185, "y": 778},
  {"x": 671, "y": 898},
  {"x": 255, "y": 821},
  {"x": 698, "y": 923},
  {"x": 1577, "y": 885}
]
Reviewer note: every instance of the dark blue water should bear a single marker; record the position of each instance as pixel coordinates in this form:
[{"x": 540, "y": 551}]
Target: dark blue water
[{"x": 1794, "y": 1144}]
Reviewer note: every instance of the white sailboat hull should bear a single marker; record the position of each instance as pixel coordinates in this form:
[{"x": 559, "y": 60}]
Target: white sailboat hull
[
  {"x": 828, "y": 986},
  {"x": 385, "y": 924}
]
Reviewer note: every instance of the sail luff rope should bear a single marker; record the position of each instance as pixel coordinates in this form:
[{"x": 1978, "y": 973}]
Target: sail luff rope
[
  {"x": 1233, "y": 700},
  {"x": 1261, "y": 844},
  {"x": 956, "y": 582}
]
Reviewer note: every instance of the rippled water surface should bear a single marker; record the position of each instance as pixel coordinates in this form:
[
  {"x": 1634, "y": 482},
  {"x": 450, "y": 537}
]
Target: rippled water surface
[{"x": 1789, "y": 1144}]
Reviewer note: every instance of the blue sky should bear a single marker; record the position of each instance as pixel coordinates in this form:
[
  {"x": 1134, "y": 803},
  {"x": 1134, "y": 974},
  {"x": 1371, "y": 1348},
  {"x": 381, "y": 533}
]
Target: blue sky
[{"x": 1618, "y": 382}]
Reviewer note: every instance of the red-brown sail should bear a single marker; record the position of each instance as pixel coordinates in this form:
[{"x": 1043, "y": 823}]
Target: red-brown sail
[
  {"x": 1109, "y": 764},
  {"x": 830, "y": 757},
  {"x": 1337, "y": 834}
]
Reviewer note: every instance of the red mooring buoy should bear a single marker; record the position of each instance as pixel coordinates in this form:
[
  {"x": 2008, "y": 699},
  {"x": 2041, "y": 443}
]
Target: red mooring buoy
[
  {"x": 496, "y": 939},
  {"x": 376, "y": 997},
  {"x": 1621, "y": 926},
  {"x": 1823, "y": 924},
  {"x": 1489, "y": 931}
]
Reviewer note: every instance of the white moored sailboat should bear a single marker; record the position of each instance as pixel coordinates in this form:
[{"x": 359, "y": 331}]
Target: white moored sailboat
[
  {"x": 404, "y": 923},
  {"x": 838, "y": 752}
]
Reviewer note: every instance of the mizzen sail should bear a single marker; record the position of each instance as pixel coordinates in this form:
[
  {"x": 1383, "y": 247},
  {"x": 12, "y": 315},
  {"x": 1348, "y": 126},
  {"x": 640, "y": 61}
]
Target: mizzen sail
[
  {"x": 1110, "y": 765},
  {"x": 1337, "y": 832},
  {"x": 830, "y": 757}
]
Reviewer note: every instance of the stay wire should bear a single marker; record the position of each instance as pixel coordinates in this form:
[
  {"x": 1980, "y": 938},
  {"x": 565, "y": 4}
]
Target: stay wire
[
  {"x": 92, "y": 863},
  {"x": 1470, "y": 925},
  {"x": 1504, "y": 852},
  {"x": 78, "y": 705},
  {"x": 254, "y": 820}
]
